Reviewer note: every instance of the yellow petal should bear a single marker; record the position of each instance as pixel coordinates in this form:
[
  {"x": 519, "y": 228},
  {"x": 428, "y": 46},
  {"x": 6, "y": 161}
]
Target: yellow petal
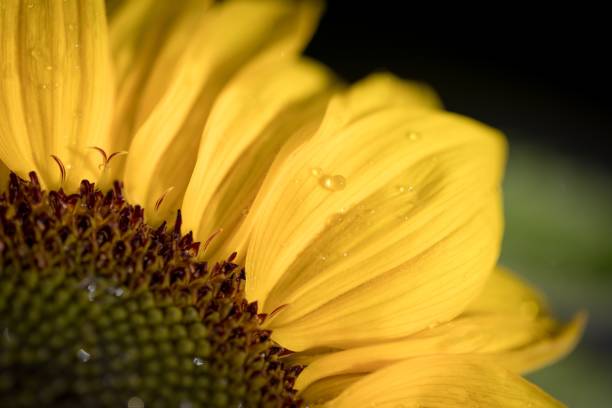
[
  {"x": 546, "y": 350},
  {"x": 507, "y": 298},
  {"x": 507, "y": 321},
  {"x": 328, "y": 389},
  {"x": 252, "y": 119},
  {"x": 444, "y": 381},
  {"x": 55, "y": 88},
  {"x": 383, "y": 89},
  {"x": 146, "y": 36},
  {"x": 173, "y": 115},
  {"x": 383, "y": 222},
  {"x": 505, "y": 293}
]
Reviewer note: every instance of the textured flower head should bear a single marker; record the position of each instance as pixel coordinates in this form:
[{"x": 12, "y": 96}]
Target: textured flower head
[{"x": 360, "y": 225}]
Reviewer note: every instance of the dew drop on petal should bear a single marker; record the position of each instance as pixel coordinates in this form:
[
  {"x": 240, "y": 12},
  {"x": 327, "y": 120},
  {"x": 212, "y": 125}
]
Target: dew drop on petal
[
  {"x": 326, "y": 182},
  {"x": 433, "y": 325},
  {"x": 335, "y": 219},
  {"x": 333, "y": 183},
  {"x": 401, "y": 189},
  {"x": 413, "y": 136},
  {"x": 316, "y": 171}
]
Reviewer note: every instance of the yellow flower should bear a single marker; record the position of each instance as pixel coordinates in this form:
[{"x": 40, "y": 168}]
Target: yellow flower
[{"x": 368, "y": 219}]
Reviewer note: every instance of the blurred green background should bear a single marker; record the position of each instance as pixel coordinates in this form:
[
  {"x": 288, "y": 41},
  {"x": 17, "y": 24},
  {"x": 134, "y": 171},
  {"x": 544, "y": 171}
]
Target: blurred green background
[{"x": 559, "y": 237}]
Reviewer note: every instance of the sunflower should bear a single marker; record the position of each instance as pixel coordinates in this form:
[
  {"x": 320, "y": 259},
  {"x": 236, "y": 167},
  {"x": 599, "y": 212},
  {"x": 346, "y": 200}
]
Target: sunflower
[{"x": 341, "y": 244}]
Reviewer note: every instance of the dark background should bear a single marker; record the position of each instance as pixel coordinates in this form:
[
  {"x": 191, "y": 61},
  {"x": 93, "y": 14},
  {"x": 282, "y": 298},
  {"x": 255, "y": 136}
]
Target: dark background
[
  {"x": 542, "y": 74},
  {"x": 543, "y": 77}
]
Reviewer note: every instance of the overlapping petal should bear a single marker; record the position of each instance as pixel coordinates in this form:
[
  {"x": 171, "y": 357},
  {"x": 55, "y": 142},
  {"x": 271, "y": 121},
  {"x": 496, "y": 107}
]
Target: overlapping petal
[
  {"x": 146, "y": 38},
  {"x": 385, "y": 221},
  {"x": 55, "y": 89},
  {"x": 508, "y": 321},
  {"x": 173, "y": 115},
  {"x": 442, "y": 381},
  {"x": 254, "y": 117}
]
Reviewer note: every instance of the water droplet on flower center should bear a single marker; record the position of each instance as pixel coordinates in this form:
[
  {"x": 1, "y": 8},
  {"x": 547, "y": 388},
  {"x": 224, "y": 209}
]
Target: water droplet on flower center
[
  {"x": 135, "y": 402},
  {"x": 83, "y": 355},
  {"x": 199, "y": 361}
]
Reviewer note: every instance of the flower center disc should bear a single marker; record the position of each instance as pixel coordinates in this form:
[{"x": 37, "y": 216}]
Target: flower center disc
[{"x": 99, "y": 309}]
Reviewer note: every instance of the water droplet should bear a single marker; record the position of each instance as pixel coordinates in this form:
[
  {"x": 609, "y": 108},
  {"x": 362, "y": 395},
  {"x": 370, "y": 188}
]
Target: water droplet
[
  {"x": 410, "y": 188},
  {"x": 70, "y": 27},
  {"x": 413, "y": 136},
  {"x": 91, "y": 290},
  {"x": 433, "y": 324},
  {"x": 322, "y": 258},
  {"x": 136, "y": 402},
  {"x": 83, "y": 355},
  {"x": 49, "y": 67},
  {"x": 335, "y": 219},
  {"x": 401, "y": 189},
  {"x": 6, "y": 333},
  {"x": 198, "y": 361},
  {"x": 244, "y": 211},
  {"x": 345, "y": 254},
  {"x": 30, "y": 5},
  {"x": 77, "y": 45},
  {"x": 118, "y": 292},
  {"x": 316, "y": 171},
  {"x": 333, "y": 183}
]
